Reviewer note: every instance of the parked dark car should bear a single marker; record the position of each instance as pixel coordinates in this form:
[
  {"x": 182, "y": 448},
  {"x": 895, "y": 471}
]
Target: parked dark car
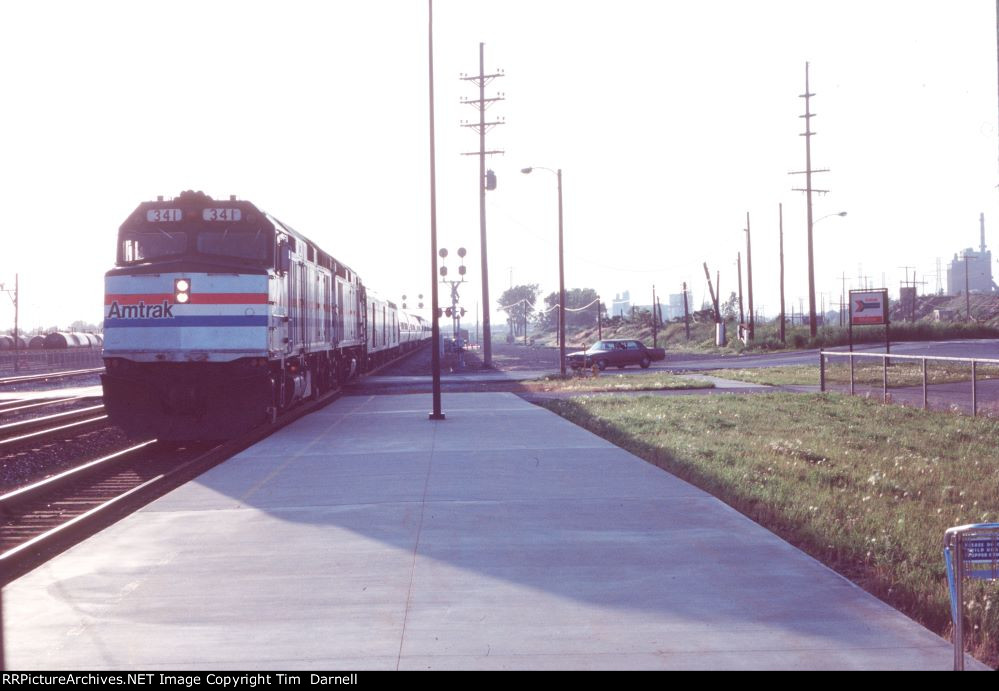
[{"x": 615, "y": 353}]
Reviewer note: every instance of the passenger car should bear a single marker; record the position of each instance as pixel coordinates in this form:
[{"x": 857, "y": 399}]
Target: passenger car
[{"x": 616, "y": 352}]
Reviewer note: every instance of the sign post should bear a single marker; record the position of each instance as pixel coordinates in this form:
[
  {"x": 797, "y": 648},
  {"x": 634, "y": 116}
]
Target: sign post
[{"x": 970, "y": 551}]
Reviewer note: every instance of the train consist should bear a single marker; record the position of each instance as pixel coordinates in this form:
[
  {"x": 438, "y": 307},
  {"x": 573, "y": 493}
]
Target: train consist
[{"x": 218, "y": 316}]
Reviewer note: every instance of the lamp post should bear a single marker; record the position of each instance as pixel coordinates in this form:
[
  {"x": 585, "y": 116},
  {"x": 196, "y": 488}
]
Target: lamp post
[
  {"x": 811, "y": 269},
  {"x": 561, "y": 268}
]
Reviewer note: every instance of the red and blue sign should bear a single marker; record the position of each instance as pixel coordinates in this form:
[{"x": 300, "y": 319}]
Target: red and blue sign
[{"x": 868, "y": 307}]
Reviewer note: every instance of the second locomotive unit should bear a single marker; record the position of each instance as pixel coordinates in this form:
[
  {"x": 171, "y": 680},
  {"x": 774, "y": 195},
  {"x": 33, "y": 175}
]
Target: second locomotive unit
[{"x": 217, "y": 316}]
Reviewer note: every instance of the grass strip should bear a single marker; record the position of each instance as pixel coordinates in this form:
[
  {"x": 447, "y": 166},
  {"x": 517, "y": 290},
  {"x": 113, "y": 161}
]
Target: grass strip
[
  {"x": 586, "y": 382},
  {"x": 790, "y": 375}
]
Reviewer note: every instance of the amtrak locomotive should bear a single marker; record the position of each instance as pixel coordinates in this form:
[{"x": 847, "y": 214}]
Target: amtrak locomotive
[{"x": 218, "y": 316}]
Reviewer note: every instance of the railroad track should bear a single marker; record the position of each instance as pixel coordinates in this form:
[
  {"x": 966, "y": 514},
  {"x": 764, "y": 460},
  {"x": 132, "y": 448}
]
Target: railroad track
[
  {"x": 19, "y": 405},
  {"x": 37, "y": 428},
  {"x": 26, "y": 378}
]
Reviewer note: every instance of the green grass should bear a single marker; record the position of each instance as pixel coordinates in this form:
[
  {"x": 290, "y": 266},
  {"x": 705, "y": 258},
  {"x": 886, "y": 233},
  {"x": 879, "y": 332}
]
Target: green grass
[
  {"x": 867, "y": 372},
  {"x": 870, "y": 371},
  {"x": 867, "y": 489},
  {"x": 586, "y": 382},
  {"x": 791, "y": 375}
]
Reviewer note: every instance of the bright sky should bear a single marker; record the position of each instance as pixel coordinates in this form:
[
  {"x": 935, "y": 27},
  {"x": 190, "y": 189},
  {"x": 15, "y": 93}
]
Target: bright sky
[{"x": 669, "y": 119}]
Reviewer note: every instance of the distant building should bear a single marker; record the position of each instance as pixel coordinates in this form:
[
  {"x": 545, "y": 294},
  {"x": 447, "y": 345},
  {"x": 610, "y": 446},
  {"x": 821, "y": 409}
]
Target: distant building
[
  {"x": 676, "y": 305},
  {"x": 621, "y": 307},
  {"x": 972, "y": 269}
]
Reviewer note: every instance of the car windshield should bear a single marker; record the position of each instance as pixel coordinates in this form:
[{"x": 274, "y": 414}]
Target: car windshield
[{"x": 600, "y": 345}]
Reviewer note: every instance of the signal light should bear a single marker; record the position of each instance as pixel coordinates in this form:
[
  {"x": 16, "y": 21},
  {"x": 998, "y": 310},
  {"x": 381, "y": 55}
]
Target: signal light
[
  {"x": 449, "y": 312},
  {"x": 182, "y": 290}
]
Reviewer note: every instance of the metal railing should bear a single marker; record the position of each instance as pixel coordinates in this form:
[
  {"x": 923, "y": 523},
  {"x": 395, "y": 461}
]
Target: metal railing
[
  {"x": 29, "y": 360},
  {"x": 888, "y": 360}
]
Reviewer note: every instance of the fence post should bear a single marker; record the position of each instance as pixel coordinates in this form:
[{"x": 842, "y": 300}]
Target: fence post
[
  {"x": 822, "y": 372},
  {"x": 851, "y": 375},
  {"x": 974, "y": 390},
  {"x": 885, "y": 378},
  {"x": 925, "y": 397}
]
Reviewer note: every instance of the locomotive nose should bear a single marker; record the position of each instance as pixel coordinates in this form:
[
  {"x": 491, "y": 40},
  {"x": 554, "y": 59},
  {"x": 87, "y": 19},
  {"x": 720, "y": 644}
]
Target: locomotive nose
[{"x": 182, "y": 399}]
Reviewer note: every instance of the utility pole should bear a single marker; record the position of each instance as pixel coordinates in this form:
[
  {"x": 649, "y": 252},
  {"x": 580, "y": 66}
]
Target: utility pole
[
  {"x": 600, "y": 326},
  {"x": 842, "y": 301},
  {"x": 525, "y": 321},
  {"x": 738, "y": 266},
  {"x": 749, "y": 280},
  {"x": 807, "y": 172},
  {"x": 714, "y": 297},
  {"x": 686, "y": 310},
  {"x": 435, "y": 360},
  {"x": 780, "y": 212},
  {"x": 655, "y": 333},
  {"x": 912, "y": 309},
  {"x": 915, "y": 294},
  {"x": 14, "y": 295},
  {"x": 485, "y": 182}
]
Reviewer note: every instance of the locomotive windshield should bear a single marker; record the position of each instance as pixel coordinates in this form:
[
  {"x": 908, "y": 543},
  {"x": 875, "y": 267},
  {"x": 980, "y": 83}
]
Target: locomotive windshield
[
  {"x": 242, "y": 245},
  {"x": 152, "y": 245},
  {"x": 141, "y": 246}
]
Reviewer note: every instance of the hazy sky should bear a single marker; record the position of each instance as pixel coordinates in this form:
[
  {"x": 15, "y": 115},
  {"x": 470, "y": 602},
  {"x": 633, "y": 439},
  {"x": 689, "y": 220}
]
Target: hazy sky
[{"x": 670, "y": 121}]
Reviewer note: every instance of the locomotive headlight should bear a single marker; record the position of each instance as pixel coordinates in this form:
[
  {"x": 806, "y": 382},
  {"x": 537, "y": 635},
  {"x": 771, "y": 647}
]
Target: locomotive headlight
[{"x": 182, "y": 290}]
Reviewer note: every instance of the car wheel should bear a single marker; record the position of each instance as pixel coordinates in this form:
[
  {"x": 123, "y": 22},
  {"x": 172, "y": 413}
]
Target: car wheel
[
  {"x": 601, "y": 365},
  {"x": 645, "y": 362}
]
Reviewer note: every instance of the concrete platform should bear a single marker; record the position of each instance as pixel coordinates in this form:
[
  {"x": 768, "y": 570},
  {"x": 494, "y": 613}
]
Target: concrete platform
[{"x": 504, "y": 537}]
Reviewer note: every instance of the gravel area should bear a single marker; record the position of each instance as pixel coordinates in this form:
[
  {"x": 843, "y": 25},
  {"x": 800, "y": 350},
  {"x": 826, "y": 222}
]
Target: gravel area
[
  {"x": 36, "y": 411},
  {"x": 36, "y": 460},
  {"x": 55, "y": 383}
]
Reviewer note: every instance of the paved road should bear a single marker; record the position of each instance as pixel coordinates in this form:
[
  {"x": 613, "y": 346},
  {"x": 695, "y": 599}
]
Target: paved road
[{"x": 978, "y": 348}]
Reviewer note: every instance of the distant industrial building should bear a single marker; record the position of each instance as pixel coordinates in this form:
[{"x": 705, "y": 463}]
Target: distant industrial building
[
  {"x": 621, "y": 307},
  {"x": 676, "y": 305},
  {"x": 972, "y": 269}
]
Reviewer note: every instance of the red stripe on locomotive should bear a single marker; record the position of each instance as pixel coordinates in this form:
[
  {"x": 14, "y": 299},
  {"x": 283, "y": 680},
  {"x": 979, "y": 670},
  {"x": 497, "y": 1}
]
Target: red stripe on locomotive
[{"x": 196, "y": 298}]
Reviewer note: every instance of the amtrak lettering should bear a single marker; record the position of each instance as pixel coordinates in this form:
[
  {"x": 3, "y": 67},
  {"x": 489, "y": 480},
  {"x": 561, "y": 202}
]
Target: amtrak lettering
[{"x": 140, "y": 311}]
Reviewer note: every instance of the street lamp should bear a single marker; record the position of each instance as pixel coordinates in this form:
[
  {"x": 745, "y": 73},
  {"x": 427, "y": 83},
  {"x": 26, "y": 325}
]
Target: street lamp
[
  {"x": 811, "y": 272},
  {"x": 561, "y": 268}
]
